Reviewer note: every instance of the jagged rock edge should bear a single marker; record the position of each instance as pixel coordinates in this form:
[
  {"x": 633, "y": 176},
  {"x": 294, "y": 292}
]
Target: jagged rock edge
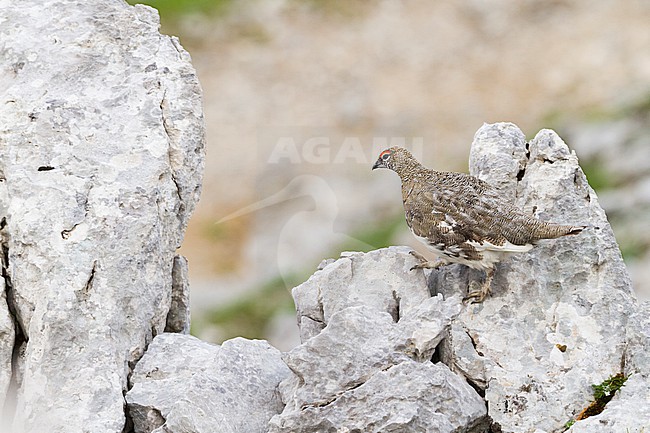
[
  {"x": 20, "y": 337},
  {"x": 164, "y": 121}
]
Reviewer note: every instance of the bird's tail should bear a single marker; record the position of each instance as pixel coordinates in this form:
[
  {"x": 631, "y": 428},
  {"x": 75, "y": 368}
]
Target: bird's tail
[
  {"x": 552, "y": 231},
  {"x": 574, "y": 230}
]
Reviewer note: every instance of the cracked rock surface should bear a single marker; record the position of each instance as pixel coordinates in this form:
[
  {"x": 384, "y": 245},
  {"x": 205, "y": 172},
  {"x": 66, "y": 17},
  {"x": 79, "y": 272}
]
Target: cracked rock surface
[
  {"x": 629, "y": 410},
  {"x": 101, "y": 158},
  {"x": 379, "y": 279},
  {"x": 559, "y": 317},
  {"x": 178, "y": 318},
  {"x": 369, "y": 366},
  {"x": 7, "y": 340},
  {"x": 185, "y": 385}
]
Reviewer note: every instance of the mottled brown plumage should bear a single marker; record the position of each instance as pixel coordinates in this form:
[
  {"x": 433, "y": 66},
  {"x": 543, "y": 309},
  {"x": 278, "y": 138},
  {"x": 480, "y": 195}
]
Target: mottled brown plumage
[{"x": 463, "y": 219}]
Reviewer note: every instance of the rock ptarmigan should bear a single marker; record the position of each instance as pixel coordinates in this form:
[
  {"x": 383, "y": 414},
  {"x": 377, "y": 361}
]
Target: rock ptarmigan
[{"x": 463, "y": 219}]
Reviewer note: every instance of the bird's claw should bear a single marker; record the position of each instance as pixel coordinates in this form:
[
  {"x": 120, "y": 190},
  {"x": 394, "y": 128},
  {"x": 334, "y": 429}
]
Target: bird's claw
[
  {"x": 424, "y": 263},
  {"x": 478, "y": 295},
  {"x": 419, "y": 257}
]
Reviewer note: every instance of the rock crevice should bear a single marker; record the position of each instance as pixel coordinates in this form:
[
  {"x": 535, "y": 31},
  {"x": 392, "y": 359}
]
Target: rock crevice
[{"x": 11, "y": 336}]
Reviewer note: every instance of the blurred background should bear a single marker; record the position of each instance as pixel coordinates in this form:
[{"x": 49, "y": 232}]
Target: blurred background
[{"x": 301, "y": 95}]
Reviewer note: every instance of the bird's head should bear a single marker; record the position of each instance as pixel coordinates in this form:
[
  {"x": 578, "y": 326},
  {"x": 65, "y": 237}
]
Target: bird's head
[{"x": 393, "y": 158}]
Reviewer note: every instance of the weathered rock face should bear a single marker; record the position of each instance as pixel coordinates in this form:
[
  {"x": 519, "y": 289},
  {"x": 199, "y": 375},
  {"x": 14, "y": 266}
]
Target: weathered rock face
[
  {"x": 556, "y": 321},
  {"x": 369, "y": 369},
  {"x": 7, "y": 334},
  {"x": 178, "y": 318},
  {"x": 192, "y": 386},
  {"x": 379, "y": 279},
  {"x": 629, "y": 410},
  {"x": 101, "y": 157}
]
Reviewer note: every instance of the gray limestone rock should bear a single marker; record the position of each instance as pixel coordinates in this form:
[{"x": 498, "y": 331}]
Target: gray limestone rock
[
  {"x": 183, "y": 385},
  {"x": 557, "y": 317},
  {"x": 178, "y": 318},
  {"x": 380, "y": 279},
  {"x": 420, "y": 329},
  {"x": 637, "y": 355},
  {"x": 498, "y": 151},
  {"x": 458, "y": 351},
  {"x": 343, "y": 356},
  {"x": 101, "y": 159},
  {"x": 629, "y": 410},
  {"x": 7, "y": 328},
  {"x": 7, "y": 334},
  {"x": 407, "y": 397},
  {"x": 366, "y": 372},
  {"x": 170, "y": 362}
]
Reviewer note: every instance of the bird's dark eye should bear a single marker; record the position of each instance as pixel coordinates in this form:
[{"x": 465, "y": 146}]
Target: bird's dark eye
[{"x": 385, "y": 156}]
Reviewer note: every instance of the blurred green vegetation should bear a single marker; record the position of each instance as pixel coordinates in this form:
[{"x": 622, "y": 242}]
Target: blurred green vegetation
[
  {"x": 249, "y": 316},
  {"x": 339, "y": 8},
  {"x": 599, "y": 178},
  {"x": 639, "y": 107},
  {"x": 172, "y": 11},
  {"x": 177, "y": 8},
  {"x": 631, "y": 249}
]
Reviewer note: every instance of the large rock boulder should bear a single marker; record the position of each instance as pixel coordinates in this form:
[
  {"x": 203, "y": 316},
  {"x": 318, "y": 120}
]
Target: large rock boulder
[
  {"x": 185, "y": 385},
  {"x": 557, "y": 318},
  {"x": 101, "y": 157},
  {"x": 560, "y": 319},
  {"x": 370, "y": 329}
]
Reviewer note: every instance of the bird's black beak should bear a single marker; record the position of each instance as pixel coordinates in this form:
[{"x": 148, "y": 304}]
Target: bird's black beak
[{"x": 378, "y": 164}]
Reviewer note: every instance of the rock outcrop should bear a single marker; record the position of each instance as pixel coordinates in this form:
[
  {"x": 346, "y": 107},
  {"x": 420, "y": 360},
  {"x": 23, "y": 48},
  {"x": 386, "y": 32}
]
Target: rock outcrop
[
  {"x": 101, "y": 158},
  {"x": 369, "y": 330},
  {"x": 367, "y": 372},
  {"x": 560, "y": 318},
  {"x": 629, "y": 410},
  {"x": 557, "y": 318}
]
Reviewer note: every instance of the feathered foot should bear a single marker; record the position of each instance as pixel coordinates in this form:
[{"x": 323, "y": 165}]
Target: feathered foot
[
  {"x": 478, "y": 296},
  {"x": 424, "y": 263}
]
